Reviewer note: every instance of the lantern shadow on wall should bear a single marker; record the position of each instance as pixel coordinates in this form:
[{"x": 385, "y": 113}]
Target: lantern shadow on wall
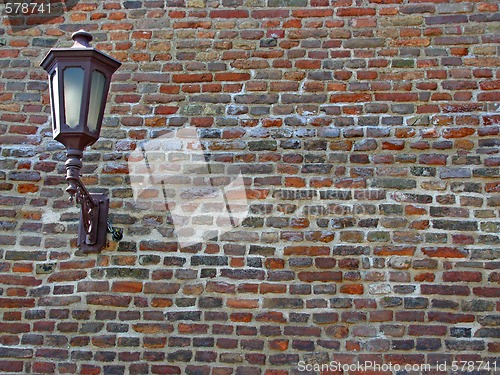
[{"x": 79, "y": 81}]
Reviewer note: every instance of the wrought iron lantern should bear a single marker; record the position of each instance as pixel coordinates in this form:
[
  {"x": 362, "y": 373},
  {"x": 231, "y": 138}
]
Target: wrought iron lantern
[{"x": 79, "y": 80}]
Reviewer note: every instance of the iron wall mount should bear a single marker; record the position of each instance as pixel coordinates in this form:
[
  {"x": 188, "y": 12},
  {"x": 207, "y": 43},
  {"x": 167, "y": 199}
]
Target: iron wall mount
[{"x": 94, "y": 207}]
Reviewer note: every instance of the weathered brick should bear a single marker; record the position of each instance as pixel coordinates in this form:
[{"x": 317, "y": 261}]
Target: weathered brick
[
  {"x": 286, "y": 303},
  {"x": 364, "y": 43},
  {"x": 464, "y": 345},
  {"x": 291, "y": 3},
  {"x": 445, "y": 290},
  {"x": 107, "y": 300},
  {"x": 298, "y": 96},
  {"x": 445, "y": 252},
  {"x": 455, "y": 225}
]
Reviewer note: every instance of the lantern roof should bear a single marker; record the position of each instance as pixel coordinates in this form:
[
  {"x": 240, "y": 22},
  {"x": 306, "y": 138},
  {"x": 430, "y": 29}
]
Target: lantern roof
[
  {"x": 81, "y": 49},
  {"x": 79, "y": 90}
]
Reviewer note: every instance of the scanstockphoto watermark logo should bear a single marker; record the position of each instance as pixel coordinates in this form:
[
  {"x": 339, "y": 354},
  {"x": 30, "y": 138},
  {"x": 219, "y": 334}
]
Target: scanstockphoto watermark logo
[
  {"x": 362, "y": 367},
  {"x": 172, "y": 169},
  {"x": 463, "y": 366},
  {"x": 203, "y": 200},
  {"x": 25, "y": 14},
  {"x": 313, "y": 204}
]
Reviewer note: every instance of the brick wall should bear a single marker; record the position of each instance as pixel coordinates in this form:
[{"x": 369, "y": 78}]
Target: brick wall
[{"x": 384, "y": 114}]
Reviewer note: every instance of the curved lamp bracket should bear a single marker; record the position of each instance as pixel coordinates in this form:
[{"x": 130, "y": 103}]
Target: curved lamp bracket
[{"x": 94, "y": 206}]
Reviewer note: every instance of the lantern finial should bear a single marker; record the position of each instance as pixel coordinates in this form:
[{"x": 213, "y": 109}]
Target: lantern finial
[{"x": 82, "y": 39}]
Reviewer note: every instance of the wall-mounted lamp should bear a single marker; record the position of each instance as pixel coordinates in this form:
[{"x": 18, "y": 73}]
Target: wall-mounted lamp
[{"x": 79, "y": 80}]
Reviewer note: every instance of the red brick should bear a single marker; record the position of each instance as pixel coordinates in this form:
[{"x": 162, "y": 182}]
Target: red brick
[
  {"x": 278, "y": 344},
  {"x": 104, "y": 341},
  {"x": 326, "y": 276},
  {"x": 271, "y": 317},
  {"x": 352, "y": 289},
  {"x": 307, "y": 250},
  {"x": 11, "y": 366},
  {"x": 229, "y": 13},
  {"x": 487, "y": 292},
  {"x": 444, "y": 252},
  {"x": 190, "y": 78},
  {"x": 193, "y": 328},
  {"x": 109, "y": 300},
  {"x": 243, "y": 303},
  {"x": 14, "y": 327},
  {"x": 241, "y": 317},
  {"x": 490, "y": 96},
  {"x": 494, "y": 347},
  {"x": 396, "y": 97},
  {"x": 445, "y": 290},
  {"x": 20, "y": 280},
  {"x": 356, "y": 12},
  {"x": 425, "y": 277},
  {"x": 395, "y": 250},
  {"x": 460, "y": 276},
  {"x": 127, "y": 287},
  {"x": 68, "y": 276},
  {"x": 161, "y": 302},
  {"x": 232, "y": 76},
  {"x": 446, "y": 317},
  {"x": 153, "y": 328},
  {"x": 307, "y": 13},
  {"x": 432, "y": 159},
  {"x": 350, "y": 98}
]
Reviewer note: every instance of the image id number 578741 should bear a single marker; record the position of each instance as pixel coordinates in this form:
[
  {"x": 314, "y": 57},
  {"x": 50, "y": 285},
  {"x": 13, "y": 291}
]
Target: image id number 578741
[
  {"x": 24, "y": 8},
  {"x": 471, "y": 366}
]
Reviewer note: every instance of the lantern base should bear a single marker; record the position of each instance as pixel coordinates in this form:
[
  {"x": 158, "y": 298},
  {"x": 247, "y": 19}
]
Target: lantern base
[{"x": 99, "y": 226}]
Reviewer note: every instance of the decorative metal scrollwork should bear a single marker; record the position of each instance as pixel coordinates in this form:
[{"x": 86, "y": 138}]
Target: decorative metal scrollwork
[
  {"x": 89, "y": 212},
  {"x": 89, "y": 208},
  {"x": 94, "y": 222},
  {"x": 78, "y": 191}
]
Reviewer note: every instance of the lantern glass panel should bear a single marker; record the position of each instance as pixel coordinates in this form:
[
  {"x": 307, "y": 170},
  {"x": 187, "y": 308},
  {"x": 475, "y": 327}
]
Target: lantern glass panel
[
  {"x": 54, "y": 90},
  {"x": 96, "y": 96},
  {"x": 73, "y": 93}
]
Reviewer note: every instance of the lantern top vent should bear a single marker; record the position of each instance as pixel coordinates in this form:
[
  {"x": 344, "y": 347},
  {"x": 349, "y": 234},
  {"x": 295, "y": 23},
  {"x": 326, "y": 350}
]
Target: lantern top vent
[{"x": 82, "y": 39}]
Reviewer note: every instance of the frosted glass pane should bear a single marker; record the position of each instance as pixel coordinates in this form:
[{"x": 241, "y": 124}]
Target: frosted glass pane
[
  {"x": 55, "y": 100},
  {"x": 73, "y": 91},
  {"x": 96, "y": 94}
]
